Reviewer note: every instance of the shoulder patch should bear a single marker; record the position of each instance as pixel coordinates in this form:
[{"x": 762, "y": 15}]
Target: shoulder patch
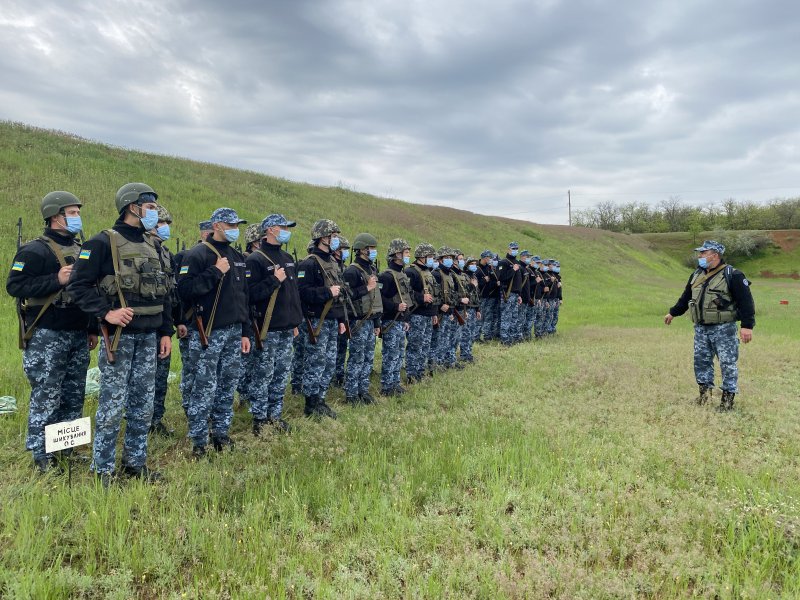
[
  {"x": 85, "y": 254},
  {"x": 184, "y": 270},
  {"x": 247, "y": 273},
  {"x": 744, "y": 281},
  {"x": 301, "y": 274},
  {"x": 18, "y": 266}
]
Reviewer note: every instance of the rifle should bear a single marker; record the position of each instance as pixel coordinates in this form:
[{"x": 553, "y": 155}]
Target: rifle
[
  {"x": 200, "y": 328},
  {"x": 459, "y": 317},
  {"x": 107, "y": 343},
  {"x": 257, "y": 331},
  {"x": 20, "y": 312}
]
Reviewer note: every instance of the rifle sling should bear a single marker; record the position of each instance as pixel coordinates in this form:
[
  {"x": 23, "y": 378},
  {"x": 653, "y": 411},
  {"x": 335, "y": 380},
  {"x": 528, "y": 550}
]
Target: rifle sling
[
  {"x": 272, "y": 299},
  {"x": 210, "y": 323},
  {"x": 701, "y": 280},
  {"x": 51, "y": 298}
]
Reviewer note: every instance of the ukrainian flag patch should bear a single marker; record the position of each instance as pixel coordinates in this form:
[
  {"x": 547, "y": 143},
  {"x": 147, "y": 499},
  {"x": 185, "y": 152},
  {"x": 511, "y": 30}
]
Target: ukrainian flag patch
[
  {"x": 18, "y": 266},
  {"x": 301, "y": 274},
  {"x": 85, "y": 254},
  {"x": 247, "y": 273},
  {"x": 184, "y": 270}
]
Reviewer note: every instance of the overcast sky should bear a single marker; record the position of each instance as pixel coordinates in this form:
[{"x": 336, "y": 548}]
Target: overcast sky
[{"x": 493, "y": 106}]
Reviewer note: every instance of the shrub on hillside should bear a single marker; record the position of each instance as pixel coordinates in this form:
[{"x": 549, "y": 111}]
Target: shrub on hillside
[{"x": 738, "y": 245}]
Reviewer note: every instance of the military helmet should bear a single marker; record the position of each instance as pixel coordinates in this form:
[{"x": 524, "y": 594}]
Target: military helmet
[
  {"x": 445, "y": 251},
  {"x": 397, "y": 245},
  {"x": 456, "y": 251},
  {"x": 311, "y": 246},
  {"x": 55, "y": 202},
  {"x": 422, "y": 250},
  {"x": 470, "y": 259},
  {"x": 130, "y": 192},
  {"x": 323, "y": 228},
  {"x": 252, "y": 233},
  {"x": 163, "y": 215},
  {"x": 343, "y": 242},
  {"x": 364, "y": 240}
]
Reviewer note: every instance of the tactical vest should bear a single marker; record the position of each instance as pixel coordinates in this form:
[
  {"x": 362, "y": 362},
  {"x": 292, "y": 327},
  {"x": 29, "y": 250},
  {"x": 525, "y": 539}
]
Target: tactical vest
[
  {"x": 63, "y": 255},
  {"x": 430, "y": 285},
  {"x": 370, "y": 303},
  {"x": 403, "y": 285},
  {"x": 472, "y": 291},
  {"x": 462, "y": 283},
  {"x": 140, "y": 276},
  {"x": 330, "y": 270},
  {"x": 711, "y": 301},
  {"x": 448, "y": 291}
]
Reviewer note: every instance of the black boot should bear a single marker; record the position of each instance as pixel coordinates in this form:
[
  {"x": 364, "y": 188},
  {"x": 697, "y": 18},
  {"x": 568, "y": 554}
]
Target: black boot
[
  {"x": 367, "y": 398},
  {"x": 311, "y": 406},
  {"x": 280, "y": 425},
  {"x": 324, "y": 410},
  {"x": 142, "y": 473},
  {"x": 221, "y": 442},
  {"x": 726, "y": 404},
  {"x": 162, "y": 429},
  {"x": 258, "y": 424},
  {"x": 705, "y": 395},
  {"x": 45, "y": 463}
]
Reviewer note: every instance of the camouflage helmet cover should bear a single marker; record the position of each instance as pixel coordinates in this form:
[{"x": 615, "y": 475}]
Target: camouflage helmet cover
[
  {"x": 422, "y": 250},
  {"x": 323, "y": 228},
  {"x": 54, "y": 202},
  {"x": 397, "y": 245},
  {"x": 163, "y": 215},
  {"x": 130, "y": 192},
  {"x": 343, "y": 242},
  {"x": 445, "y": 251},
  {"x": 364, "y": 240},
  {"x": 252, "y": 233}
]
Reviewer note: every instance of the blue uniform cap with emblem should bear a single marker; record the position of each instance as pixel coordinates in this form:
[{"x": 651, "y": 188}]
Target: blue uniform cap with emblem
[
  {"x": 537, "y": 258},
  {"x": 514, "y": 245},
  {"x": 525, "y": 253},
  {"x": 487, "y": 254},
  {"x": 276, "y": 220},
  {"x": 204, "y": 225},
  {"x": 226, "y": 215},
  {"x": 711, "y": 245}
]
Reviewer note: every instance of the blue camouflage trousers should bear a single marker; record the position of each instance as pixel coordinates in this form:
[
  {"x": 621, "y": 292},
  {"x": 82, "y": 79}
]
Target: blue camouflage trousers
[
  {"x": 245, "y": 384},
  {"x": 529, "y": 312},
  {"x": 419, "y": 345},
  {"x": 126, "y": 386},
  {"x": 490, "y": 313},
  {"x": 216, "y": 374},
  {"x": 509, "y": 314},
  {"x": 547, "y": 317},
  {"x": 538, "y": 318},
  {"x": 320, "y": 359},
  {"x": 271, "y": 369},
  {"x": 392, "y": 352},
  {"x": 55, "y": 363},
  {"x": 720, "y": 341},
  {"x": 162, "y": 373},
  {"x": 444, "y": 354},
  {"x": 187, "y": 371},
  {"x": 554, "y": 320},
  {"x": 467, "y": 334},
  {"x": 360, "y": 361},
  {"x": 299, "y": 357},
  {"x": 341, "y": 355}
]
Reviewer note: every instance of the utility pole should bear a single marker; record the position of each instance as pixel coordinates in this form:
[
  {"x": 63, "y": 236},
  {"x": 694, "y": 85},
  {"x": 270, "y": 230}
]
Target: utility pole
[{"x": 569, "y": 207}]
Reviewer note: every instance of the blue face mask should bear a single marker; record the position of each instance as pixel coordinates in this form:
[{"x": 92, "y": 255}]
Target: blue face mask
[
  {"x": 473, "y": 268},
  {"x": 150, "y": 219},
  {"x": 494, "y": 263},
  {"x": 335, "y": 242},
  {"x": 163, "y": 232},
  {"x": 429, "y": 262},
  {"x": 545, "y": 268},
  {"x": 461, "y": 263},
  {"x": 373, "y": 254},
  {"x": 556, "y": 269},
  {"x": 447, "y": 262},
  {"x": 345, "y": 254},
  {"x": 435, "y": 264},
  {"x": 702, "y": 262},
  {"x": 406, "y": 260},
  {"x": 284, "y": 235},
  {"x": 232, "y": 235},
  {"x": 73, "y": 224},
  {"x": 514, "y": 252}
]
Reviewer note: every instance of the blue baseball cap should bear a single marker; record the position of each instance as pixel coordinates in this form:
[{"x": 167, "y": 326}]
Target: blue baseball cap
[
  {"x": 711, "y": 245},
  {"x": 514, "y": 245},
  {"x": 525, "y": 253},
  {"x": 204, "y": 225},
  {"x": 276, "y": 220},
  {"x": 226, "y": 215},
  {"x": 487, "y": 254}
]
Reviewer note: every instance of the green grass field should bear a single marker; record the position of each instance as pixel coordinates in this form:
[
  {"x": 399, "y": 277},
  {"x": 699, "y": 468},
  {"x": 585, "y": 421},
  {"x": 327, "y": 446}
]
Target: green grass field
[{"x": 575, "y": 467}]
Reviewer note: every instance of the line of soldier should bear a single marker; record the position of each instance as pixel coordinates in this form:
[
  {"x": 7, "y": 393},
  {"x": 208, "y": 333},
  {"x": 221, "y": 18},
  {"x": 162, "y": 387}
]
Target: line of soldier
[{"x": 244, "y": 321}]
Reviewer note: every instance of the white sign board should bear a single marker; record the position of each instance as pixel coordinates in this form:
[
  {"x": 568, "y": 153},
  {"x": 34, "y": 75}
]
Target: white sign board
[{"x": 68, "y": 434}]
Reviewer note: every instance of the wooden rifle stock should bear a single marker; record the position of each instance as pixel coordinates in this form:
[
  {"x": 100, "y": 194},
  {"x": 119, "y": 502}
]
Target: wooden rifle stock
[
  {"x": 257, "y": 331},
  {"x": 201, "y": 330},
  {"x": 311, "y": 337},
  {"x": 107, "y": 343},
  {"x": 459, "y": 317}
]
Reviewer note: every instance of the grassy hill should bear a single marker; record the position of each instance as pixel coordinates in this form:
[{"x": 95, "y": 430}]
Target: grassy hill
[{"x": 572, "y": 467}]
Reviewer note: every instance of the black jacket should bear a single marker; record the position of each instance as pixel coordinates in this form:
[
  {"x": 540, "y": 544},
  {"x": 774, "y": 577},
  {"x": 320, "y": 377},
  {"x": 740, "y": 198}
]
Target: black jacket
[
  {"x": 423, "y": 309},
  {"x": 288, "y": 311},
  {"x": 197, "y": 286},
  {"x": 488, "y": 284},
  {"x": 34, "y": 274},
  {"x": 507, "y": 275},
  {"x": 357, "y": 283},
  {"x": 95, "y": 263},
  {"x": 315, "y": 288},
  {"x": 389, "y": 291},
  {"x": 740, "y": 292}
]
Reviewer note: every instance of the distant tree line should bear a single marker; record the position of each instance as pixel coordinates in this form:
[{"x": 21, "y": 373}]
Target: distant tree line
[{"x": 673, "y": 215}]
